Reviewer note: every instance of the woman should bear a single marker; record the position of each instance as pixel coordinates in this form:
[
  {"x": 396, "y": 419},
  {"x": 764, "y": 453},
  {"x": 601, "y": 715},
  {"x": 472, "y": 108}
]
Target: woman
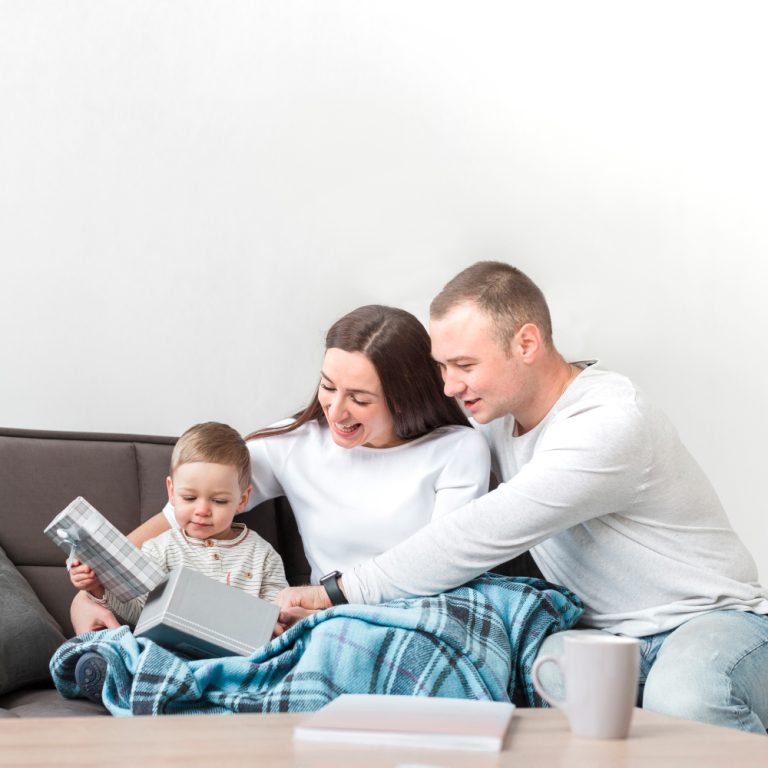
[{"x": 377, "y": 452}]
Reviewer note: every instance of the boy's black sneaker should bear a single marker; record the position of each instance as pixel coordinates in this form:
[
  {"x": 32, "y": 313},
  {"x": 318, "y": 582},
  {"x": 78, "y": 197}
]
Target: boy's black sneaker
[{"x": 90, "y": 672}]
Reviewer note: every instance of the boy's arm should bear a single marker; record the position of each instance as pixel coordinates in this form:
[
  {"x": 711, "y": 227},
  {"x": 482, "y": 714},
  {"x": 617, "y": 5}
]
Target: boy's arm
[
  {"x": 273, "y": 579},
  {"x": 83, "y": 577},
  {"x": 130, "y": 610},
  {"x": 88, "y": 615},
  {"x": 85, "y": 580}
]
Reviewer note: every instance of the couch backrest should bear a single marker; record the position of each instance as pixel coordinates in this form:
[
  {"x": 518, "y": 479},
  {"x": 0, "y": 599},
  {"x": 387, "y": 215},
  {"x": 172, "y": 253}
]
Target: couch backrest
[{"x": 123, "y": 476}]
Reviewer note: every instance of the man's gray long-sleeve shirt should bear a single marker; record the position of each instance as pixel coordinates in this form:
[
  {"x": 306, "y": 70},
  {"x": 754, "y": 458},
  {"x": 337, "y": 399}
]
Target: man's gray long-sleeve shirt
[{"x": 611, "y": 505}]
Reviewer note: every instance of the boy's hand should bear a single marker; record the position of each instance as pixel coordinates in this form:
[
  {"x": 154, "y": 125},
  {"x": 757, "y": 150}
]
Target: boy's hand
[{"x": 83, "y": 577}]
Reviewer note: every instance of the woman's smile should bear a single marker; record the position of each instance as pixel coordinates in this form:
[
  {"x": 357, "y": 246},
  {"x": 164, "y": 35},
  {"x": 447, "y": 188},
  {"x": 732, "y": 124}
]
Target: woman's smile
[
  {"x": 353, "y": 401},
  {"x": 346, "y": 429}
]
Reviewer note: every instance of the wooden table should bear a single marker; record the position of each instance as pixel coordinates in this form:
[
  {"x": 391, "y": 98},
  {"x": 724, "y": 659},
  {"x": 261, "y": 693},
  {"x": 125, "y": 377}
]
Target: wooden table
[{"x": 536, "y": 738}]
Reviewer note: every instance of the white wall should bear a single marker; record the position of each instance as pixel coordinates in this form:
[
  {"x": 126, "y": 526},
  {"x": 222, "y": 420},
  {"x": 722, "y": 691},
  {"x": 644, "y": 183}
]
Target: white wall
[{"x": 191, "y": 191}]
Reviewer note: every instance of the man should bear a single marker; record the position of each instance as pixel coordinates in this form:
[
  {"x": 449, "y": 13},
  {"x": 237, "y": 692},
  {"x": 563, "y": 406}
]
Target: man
[{"x": 596, "y": 483}]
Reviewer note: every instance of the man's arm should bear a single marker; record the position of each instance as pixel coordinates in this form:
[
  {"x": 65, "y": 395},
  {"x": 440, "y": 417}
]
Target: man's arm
[
  {"x": 297, "y": 603},
  {"x": 587, "y": 465}
]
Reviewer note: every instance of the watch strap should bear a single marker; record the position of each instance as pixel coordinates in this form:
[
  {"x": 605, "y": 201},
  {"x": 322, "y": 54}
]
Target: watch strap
[{"x": 332, "y": 589}]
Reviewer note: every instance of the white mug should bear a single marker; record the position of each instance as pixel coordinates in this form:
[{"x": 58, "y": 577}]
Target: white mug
[{"x": 600, "y": 674}]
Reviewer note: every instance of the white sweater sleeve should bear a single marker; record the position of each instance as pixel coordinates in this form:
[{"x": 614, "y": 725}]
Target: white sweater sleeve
[
  {"x": 170, "y": 516},
  {"x": 588, "y": 464},
  {"x": 263, "y": 477},
  {"x": 466, "y": 474}
]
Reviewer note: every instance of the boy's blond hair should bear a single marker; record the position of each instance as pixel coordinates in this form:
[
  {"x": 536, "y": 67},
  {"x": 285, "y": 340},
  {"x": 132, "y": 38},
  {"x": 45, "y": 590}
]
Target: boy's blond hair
[{"x": 214, "y": 443}]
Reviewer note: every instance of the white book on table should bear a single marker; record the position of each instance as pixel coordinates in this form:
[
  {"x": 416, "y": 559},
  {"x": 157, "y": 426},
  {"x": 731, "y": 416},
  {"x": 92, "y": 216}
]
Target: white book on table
[{"x": 409, "y": 721}]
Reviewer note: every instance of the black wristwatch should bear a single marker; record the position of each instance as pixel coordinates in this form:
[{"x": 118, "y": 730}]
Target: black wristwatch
[{"x": 332, "y": 589}]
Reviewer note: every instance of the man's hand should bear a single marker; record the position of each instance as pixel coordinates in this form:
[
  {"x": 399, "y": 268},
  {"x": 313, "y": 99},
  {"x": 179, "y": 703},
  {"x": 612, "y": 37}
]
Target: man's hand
[
  {"x": 297, "y": 603},
  {"x": 86, "y": 616},
  {"x": 311, "y": 598},
  {"x": 288, "y": 617}
]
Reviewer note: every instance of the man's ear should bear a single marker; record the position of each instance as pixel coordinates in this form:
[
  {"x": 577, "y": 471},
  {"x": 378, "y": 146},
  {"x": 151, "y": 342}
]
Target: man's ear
[
  {"x": 244, "y": 499},
  {"x": 528, "y": 342},
  {"x": 169, "y": 486}
]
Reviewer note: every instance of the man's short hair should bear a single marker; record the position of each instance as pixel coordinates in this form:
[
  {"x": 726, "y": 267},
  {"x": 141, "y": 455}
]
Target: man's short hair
[
  {"x": 213, "y": 443},
  {"x": 508, "y": 296}
]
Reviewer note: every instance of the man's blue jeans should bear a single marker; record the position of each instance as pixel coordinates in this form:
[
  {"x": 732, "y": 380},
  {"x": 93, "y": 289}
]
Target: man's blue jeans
[{"x": 713, "y": 668}]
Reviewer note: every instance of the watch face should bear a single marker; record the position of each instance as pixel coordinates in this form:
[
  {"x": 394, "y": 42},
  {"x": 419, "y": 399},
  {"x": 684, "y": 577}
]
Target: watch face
[
  {"x": 329, "y": 576},
  {"x": 330, "y": 584}
]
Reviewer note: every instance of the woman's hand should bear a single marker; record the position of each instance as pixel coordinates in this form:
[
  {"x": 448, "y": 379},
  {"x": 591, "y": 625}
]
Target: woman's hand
[{"x": 87, "y": 616}]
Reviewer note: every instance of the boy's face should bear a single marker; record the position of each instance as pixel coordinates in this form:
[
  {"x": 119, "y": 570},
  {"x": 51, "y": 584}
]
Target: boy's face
[{"x": 206, "y": 497}]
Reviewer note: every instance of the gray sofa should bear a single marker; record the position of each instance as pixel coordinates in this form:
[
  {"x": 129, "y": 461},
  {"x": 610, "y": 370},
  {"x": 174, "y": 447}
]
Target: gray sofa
[{"x": 123, "y": 476}]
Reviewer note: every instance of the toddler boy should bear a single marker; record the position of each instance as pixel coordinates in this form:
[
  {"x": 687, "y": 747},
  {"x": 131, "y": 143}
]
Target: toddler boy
[{"x": 209, "y": 483}]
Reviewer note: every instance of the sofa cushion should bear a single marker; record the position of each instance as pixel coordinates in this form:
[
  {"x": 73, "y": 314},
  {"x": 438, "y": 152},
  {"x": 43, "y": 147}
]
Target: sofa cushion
[
  {"x": 28, "y": 633},
  {"x": 47, "y": 702}
]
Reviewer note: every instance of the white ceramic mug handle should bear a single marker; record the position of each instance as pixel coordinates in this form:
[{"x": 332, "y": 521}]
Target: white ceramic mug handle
[{"x": 560, "y": 703}]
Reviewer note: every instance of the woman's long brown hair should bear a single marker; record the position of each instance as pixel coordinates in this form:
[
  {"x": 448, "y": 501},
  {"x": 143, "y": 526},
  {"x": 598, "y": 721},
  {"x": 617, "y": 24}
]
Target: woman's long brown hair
[{"x": 398, "y": 346}]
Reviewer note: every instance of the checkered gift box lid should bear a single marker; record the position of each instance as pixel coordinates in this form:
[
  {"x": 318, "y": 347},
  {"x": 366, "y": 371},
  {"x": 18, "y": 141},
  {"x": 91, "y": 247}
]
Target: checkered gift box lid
[{"x": 84, "y": 533}]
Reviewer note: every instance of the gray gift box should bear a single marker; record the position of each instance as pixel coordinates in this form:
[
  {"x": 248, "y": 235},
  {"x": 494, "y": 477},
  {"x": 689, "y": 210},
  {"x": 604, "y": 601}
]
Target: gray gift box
[
  {"x": 199, "y": 617},
  {"x": 84, "y": 533}
]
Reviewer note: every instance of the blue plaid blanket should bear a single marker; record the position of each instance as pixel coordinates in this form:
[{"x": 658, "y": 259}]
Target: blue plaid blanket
[{"x": 475, "y": 642}]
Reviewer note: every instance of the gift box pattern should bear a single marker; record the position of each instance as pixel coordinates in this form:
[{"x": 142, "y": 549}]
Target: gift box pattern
[{"x": 84, "y": 533}]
